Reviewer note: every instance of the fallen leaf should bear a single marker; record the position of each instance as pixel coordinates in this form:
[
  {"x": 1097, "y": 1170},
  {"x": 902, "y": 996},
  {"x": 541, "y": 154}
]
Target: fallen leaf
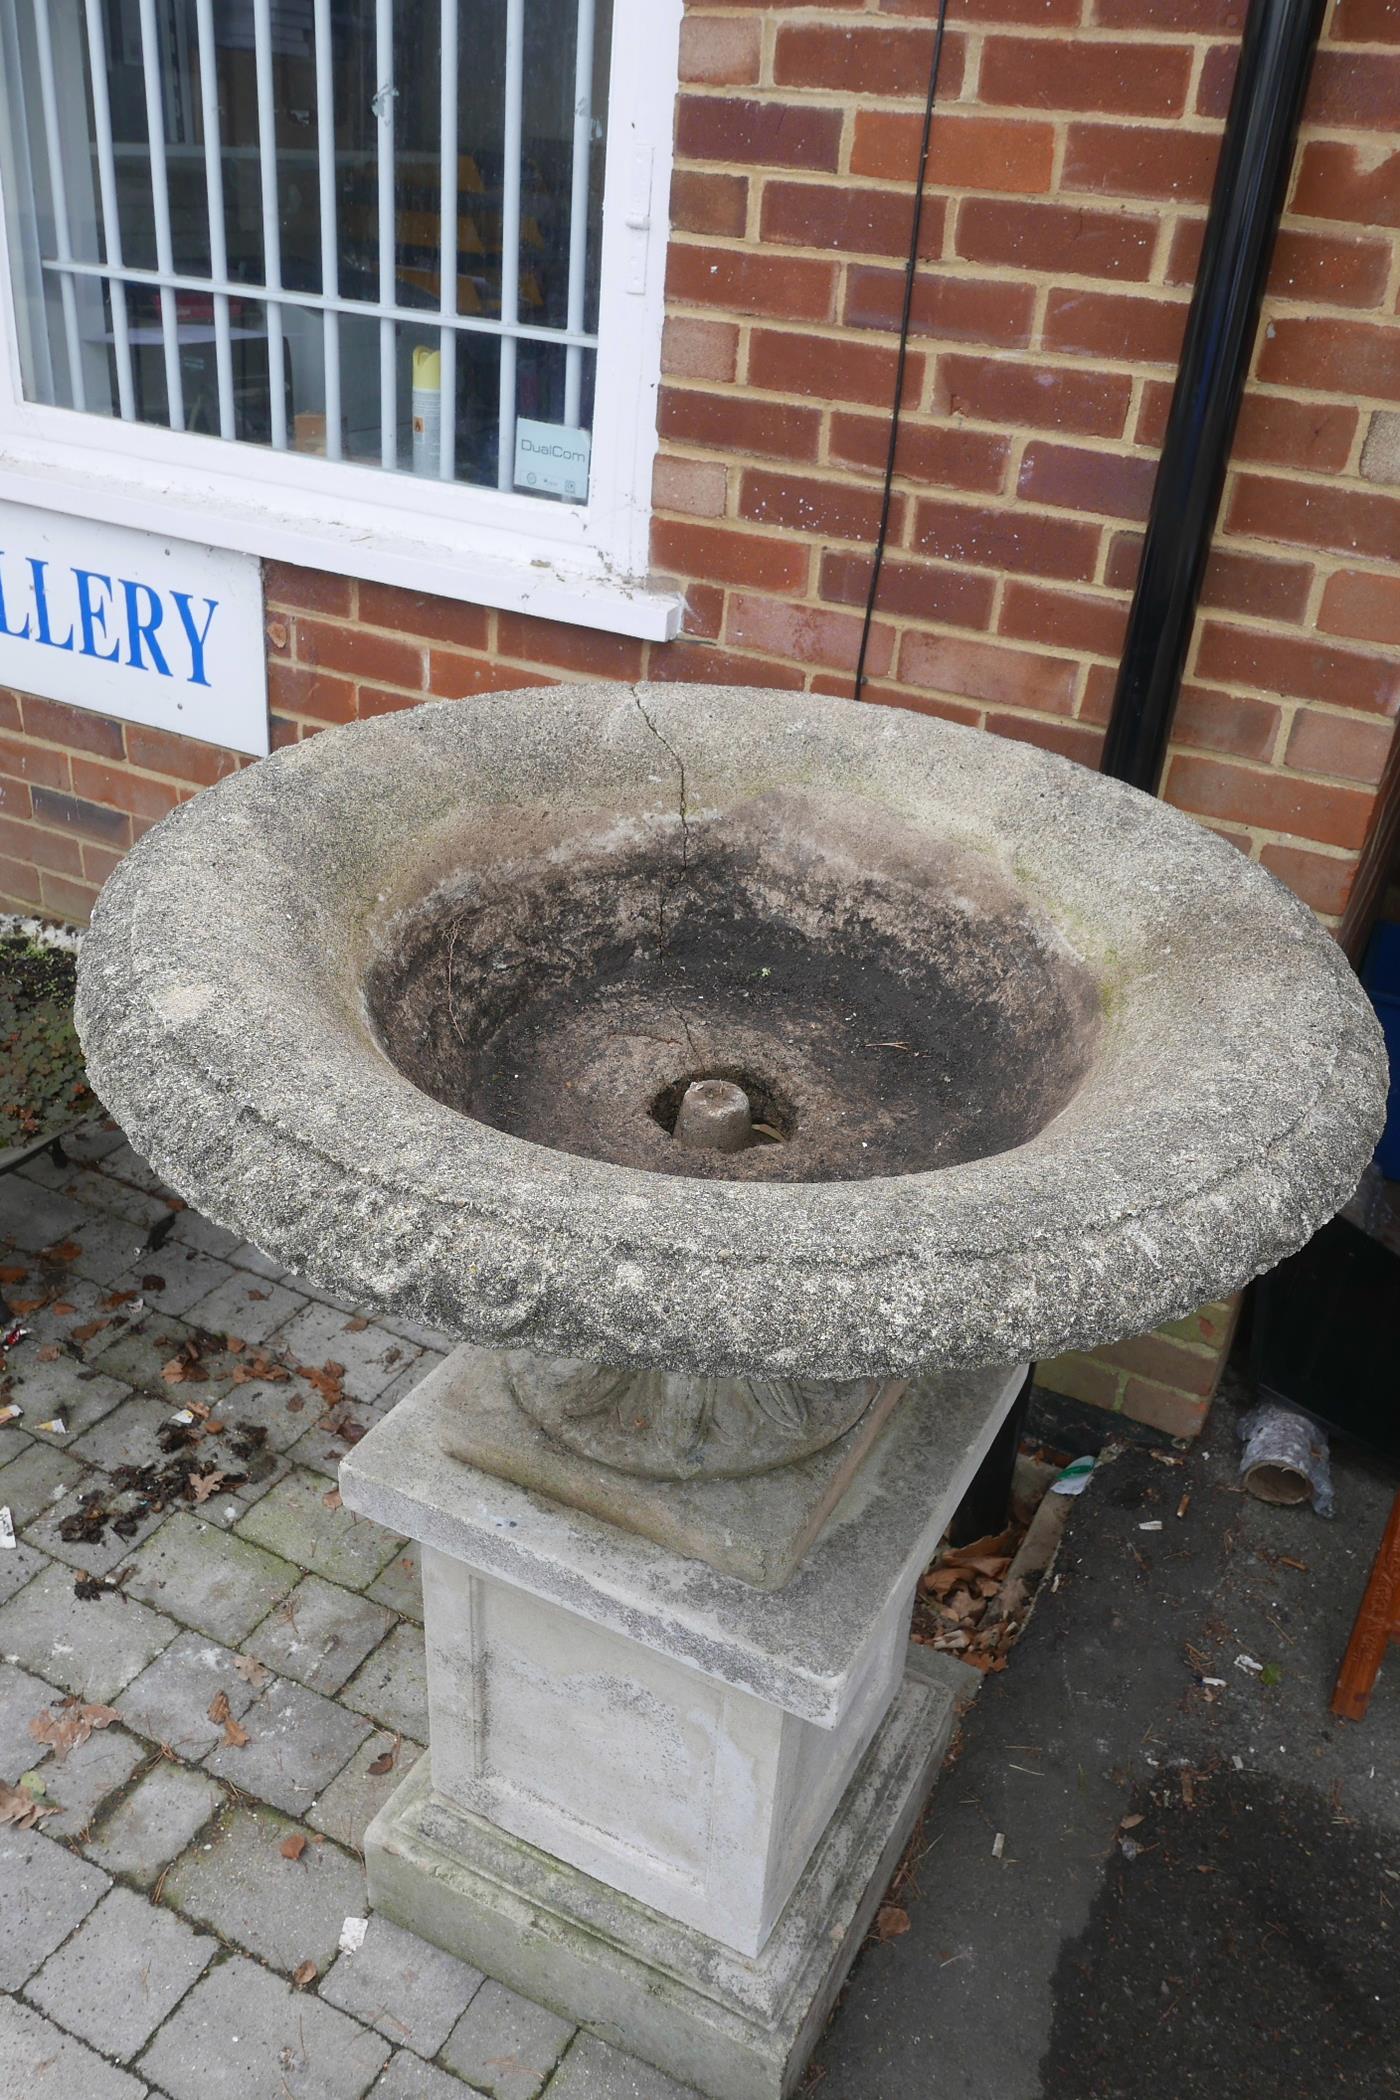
[
  {"x": 174, "y": 1372},
  {"x": 1131, "y": 1822},
  {"x": 332, "y": 1498},
  {"x": 235, "y": 1738},
  {"x": 386, "y": 1759},
  {"x": 88, "y": 1329},
  {"x": 251, "y": 1670},
  {"x": 64, "y": 1251},
  {"x": 47, "y": 1354},
  {"x": 294, "y": 1846},
  {"x": 70, "y": 1726},
  {"x": 12, "y": 1272},
  {"x": 304, "y": 1973},
  {"x": 356, "y": 1326},
  {"x": 890, "y": 1922},
  {"x": 203, "y": 1485},
  {"x": 22, "y": 1809}
]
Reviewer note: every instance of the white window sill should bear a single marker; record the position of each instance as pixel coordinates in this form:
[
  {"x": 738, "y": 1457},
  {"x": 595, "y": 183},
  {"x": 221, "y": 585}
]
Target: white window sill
[{"x": 382, "y": 544}]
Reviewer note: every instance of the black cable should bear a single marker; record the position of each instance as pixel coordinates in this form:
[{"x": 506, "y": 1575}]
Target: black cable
[{"x": 910, "y": 274}]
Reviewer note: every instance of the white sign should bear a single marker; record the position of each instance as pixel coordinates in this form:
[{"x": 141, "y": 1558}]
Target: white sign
[
  {"x": 130, "y": 624},
  {"x": 552, "y": 459}
]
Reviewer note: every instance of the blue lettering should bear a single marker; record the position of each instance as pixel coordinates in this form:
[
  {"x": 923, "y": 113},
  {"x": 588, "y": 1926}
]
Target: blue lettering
[
  {"x": 41, "y": 607},
  {"x": 139, "y": 630},
  {"x": 93, "y": 618},
  {"x": 196, "y": 639},
  {"x": 16, "y": 634}
]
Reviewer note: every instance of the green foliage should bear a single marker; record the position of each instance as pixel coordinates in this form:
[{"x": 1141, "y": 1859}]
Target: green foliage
[{"x": 43, "y": 1084}]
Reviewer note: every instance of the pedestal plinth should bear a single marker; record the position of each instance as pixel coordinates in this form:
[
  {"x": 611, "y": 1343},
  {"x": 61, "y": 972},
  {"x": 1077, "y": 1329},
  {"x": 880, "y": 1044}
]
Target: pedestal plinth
[{"x": 658, "y": 1799}]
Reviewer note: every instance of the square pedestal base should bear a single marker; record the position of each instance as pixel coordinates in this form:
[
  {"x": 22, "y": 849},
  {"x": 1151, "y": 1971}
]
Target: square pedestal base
[{"x": 737, "y": 2028}]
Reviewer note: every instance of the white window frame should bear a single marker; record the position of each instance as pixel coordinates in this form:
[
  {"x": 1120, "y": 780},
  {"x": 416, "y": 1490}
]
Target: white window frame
[{"x": 585, "y": 564}]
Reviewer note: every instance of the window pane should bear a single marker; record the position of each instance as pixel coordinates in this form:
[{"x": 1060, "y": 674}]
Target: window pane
[{"x": 227, "y": 216}]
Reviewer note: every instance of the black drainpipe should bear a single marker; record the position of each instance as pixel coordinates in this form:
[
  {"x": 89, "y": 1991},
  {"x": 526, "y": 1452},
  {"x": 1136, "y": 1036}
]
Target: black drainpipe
[{"x": 1256, "y": 158}]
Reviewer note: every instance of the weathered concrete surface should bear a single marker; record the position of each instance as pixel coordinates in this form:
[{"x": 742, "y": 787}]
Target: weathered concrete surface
[{"x": 1216, "y": 1106}]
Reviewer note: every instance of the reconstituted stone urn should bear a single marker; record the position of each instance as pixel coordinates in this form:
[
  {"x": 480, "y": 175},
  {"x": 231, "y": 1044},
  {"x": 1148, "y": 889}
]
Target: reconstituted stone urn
[{"x": 754, "y": 1082}]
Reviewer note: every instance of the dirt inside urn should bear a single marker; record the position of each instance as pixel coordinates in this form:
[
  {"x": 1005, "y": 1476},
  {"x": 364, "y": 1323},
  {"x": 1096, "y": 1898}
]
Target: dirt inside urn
[{"x": 888, "y": 1003}]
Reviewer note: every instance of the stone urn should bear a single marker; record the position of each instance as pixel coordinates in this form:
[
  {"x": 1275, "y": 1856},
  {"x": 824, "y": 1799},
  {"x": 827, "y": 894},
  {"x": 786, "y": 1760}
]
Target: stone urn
[{"x": 754, "y": 1082}]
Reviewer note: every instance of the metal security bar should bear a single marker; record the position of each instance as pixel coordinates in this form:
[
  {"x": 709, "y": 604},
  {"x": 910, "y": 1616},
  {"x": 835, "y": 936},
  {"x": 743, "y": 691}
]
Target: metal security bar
[{"x": 111, "y": 216}]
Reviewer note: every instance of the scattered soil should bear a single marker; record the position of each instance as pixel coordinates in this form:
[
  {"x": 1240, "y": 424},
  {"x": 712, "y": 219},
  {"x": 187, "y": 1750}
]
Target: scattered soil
[{"x": 45, "y": 1087}]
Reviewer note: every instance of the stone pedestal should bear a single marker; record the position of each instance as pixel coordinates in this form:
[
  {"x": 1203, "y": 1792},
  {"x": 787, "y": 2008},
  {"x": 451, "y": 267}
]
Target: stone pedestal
[{"x": 659, "y": 1799}]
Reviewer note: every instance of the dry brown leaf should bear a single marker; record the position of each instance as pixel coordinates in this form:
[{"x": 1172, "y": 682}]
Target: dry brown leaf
[
  {"x": 70, "y": 1726},
  {"x": 1131, "y": 1822},
  {"x": 293, "y": 1846},
  {"x": 173, "y": 1373},
  {"x": 890, "y": 1921},
  {"x": 64, "y": 1251},
  {"x": 386, "y": 1759},
  {"x": 47, "y": 1354},
  {"x": 13, "y": 1272},
  {"x": 21, "y": 1809},
  {"x": 304, "y": 1973},
  {"x": 235, "y": 1738},
  {"x": 203, "y": 1485},
  {"x": 332, "y": 1498},
  {"x": 356, "y": 1326},
  {"x": 88, "y": 1329},
  {"x": 251, "y": 1670}
]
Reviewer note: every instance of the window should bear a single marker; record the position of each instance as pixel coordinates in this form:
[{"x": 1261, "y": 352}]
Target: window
[{"x": 369, "y": 284}]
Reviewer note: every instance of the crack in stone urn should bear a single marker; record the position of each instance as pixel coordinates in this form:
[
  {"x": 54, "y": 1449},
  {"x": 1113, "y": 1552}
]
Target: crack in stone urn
[{"x": 753, "y": 1082}]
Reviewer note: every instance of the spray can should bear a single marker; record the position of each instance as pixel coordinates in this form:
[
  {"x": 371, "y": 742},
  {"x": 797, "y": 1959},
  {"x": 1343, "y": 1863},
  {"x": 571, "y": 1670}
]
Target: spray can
[{"x": 427, "y": 411}]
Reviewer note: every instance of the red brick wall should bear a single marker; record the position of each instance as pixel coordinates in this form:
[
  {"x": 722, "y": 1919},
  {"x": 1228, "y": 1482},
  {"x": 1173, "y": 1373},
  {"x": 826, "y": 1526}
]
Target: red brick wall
[{"x": 1071, "y": 167}]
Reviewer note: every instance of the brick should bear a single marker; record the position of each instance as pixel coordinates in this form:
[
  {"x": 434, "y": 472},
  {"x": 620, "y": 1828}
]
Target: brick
[
  {"x": 921, "y": 590},
  {"x": 582, "y": 649},
  {"x": 703, "y": 613},
  {"x": 46, "y": 1627},
  {"x": 76, "y": 727},
  {"x": 195, "y": 2055},
  {"x": 687, "y": 662},
  {"x": 696, "y": 349},
  {"x": 1167, "y": 1363},
  {"x": 505, "y": 2045},
  {"x": 1054, "y": 237},
  {"x": 1198, "y": 16},
  {"x": 418, "y": 615},
  {"x": 719, "y": 52},
  {"x": 863, "y": 61},
  {"x": 704, "y": 201},
  {"x": 697, "y": 488},
  {"x": 1093, "y": 626},
  {"x": 1322, "y": 880},
  {"x": 410, "y": 1991},
  {"x": 1131, "y": 79},
  {"x": 178, "y": 757},
  {"x": 737, "y": 423},
  {"x": 1242, "y": 794},
  {"x": 360, "y": 653},
  {"x": 108, "y": 826},
  {"x": 836, "y": 509},
  {"x": 1082, "y": 1378},
  {"x": 1361, "y": 605},
  {"x": 1339, "y": 746},
  {"x": 1175, "y": 1414},
  {"x": 1235, "y": 724},
  {"x": 456, "y": 677},
  {"x": 1042, "y": 13},
  {"x": 19, "y": 884},
  {"x": 806, "y": 634},
  {"x": 771, "y": 286},
  {"x": 1019, "y": 540},
  {"x": 939, "y": 455},
  {"x": 1068, "y": 739},
  {"x": 1312, "y": 436},
  {"x": 1353, "y": 88},
  {"x": 1120, "y": 160},
  {"x": 58, "y": 851},
  {"x": 391, "y": 1686},
  {"x": 1043, "y": 397},
  {"x": 1337, "y": 180},
  {"x": 1113, "y": 325},
  {"x": 886, "y": 695},
  {"x": 968, "y": 309},
  {"x": 1217, "y": 80},
  {"x": 965, "y": 152},
  {"x": 849, "y": 218},
  {"x": 308, "y": 590},
  {"x": 983, "y": 671},
  {"x": 1343, "y": 520},
  {"x": 145, "y": 799},
  {"x": 1331, "y": 354},
  {"x": 761, "y": 134},
  {"x": 726, "y": 555},
  {"x": 1365, "y": 22},
  {"x": 1327, "y": 267},
  {"x": 31, "y": 762},
  {"x": 294, "y": 690},
  {"x": 1073, "y": 477},
  {"x": 831, "y": 368},
  {"x": 169, "y": 1702},
  {"x": 9, "y": 712},
  {"x": 215, "y": 1582},
  {"x": 1251, "y": 583},
  {"x": 126, "y": 1967},
  {"x": 32, "y": 2050},
  {"x": 1299, "y": 666}
]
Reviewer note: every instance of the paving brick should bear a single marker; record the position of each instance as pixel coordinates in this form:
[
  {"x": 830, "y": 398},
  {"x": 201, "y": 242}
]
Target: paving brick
[
  {"x": 140, "y": 1355},
  {"x": 319, "y": 1634},
  {"x": 239, "y": 1883},
  {"x": 92, "y": 1556},
  {"x": 248, "y": 1306},
  {"x": 21, "y": 1697},
  {"x": 61, "y": 1385},
  {"x": 294, "y": 1521},
  {"x": 174, "y": 1278},
  {"x": 505, "y": 2045},
  {"x": 298, "y": 1743},
  {"x": 87, "y": 1777},
  {"x": 48, "y": 1891},
  {"x": 154, "y": 1822},
  {"x": 324, "y": 1334},
  {"x": 17, "y": 1564},
  {"x": 28, "y": 1482},
  {"x": 413, "y": 1993},
  {"x": 126, "y": 1967},
  {"x": 593, "y": 2071},
  {"x": 35, "y": 1218},
  {"x": 392, "y": 1686},
  {"x": 191, "y": 1229},
  {"x": 99, "y": 1192},
  {"x": 322, "y": 1447},
  {"x": 401, "y": 1584},
  {"x": 33, "y": 2049},
  {"x": 170, "y": 1701},
  {"x": 127, "y": 1434},
  {"x": 409, "y": 2078},
  {"x": 350, "y": 1804},
  {"x": 241, "y": 2034},
  {"x": 107, "y": 1244},
  {"x": 216, "y": 1581},
  {"x": 90, "y": 1649}
]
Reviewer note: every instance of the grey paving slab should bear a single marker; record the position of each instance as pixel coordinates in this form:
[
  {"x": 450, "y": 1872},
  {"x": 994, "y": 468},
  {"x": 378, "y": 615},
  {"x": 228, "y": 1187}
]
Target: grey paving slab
[
  {"x": 107, "y": 1243},
  {"x": 400, "y": 1586},
  {"x": 298, "y": 1743},
  {"x": 128, "y": 1965},
  {"x": 407, "y": 2077},
  {"x": 372, "y": 1357},
  {"x": 103, "y": 1192},
  {"x": 413, "y": 1993},
  {"x": 17, "y": 1564},
  {"x": 92, "y": 1650},
  {"x": 127, "y": 1164},
  {"x": 238, "y": 1882},
  {"x": 21, "y": 1697},
  {"x": 350, "y": 1804},
  {"x": 30, "y": 1483},
  {"x": 89, "y": 1775},
  {"x": 193, "y": 1229},
  {"x": 154, "y": 1823},
  {"x": 172, "y": 1278},
  {"x": 331, "y": 1435},
  {"x": 169, "y": 1702},
  {"x": 127, "y": 1435},
  {"x": 48, "y": 1891},
  {"x": 38, "y": 2060},
  {"x": 247, "y": 1306},
  {"x": 392, "y": 1685},
  {"x": 242, "y": 2034},
  {"x": 294, "y": 1520},
  {"x": 320, "y": 1634},
  {"x": 140, "y": 1355},
  {"x": 505, "y": 2045},
  {"x": 88, "y": 1556},
  {"x": 33, "y": 1217},
  {"x": 591, "y": 2070},
  {"x": 63, "y": 1385},
  {"x": 283, "y": 1407},
  {"x": 215, "y": 1581},
  {"x": 96, "y": 1139},
  {"x": 244, "y": 1255}
]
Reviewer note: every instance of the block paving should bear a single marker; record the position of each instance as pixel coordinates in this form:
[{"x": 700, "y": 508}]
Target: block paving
[{"x": 173, "y": 1929}]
